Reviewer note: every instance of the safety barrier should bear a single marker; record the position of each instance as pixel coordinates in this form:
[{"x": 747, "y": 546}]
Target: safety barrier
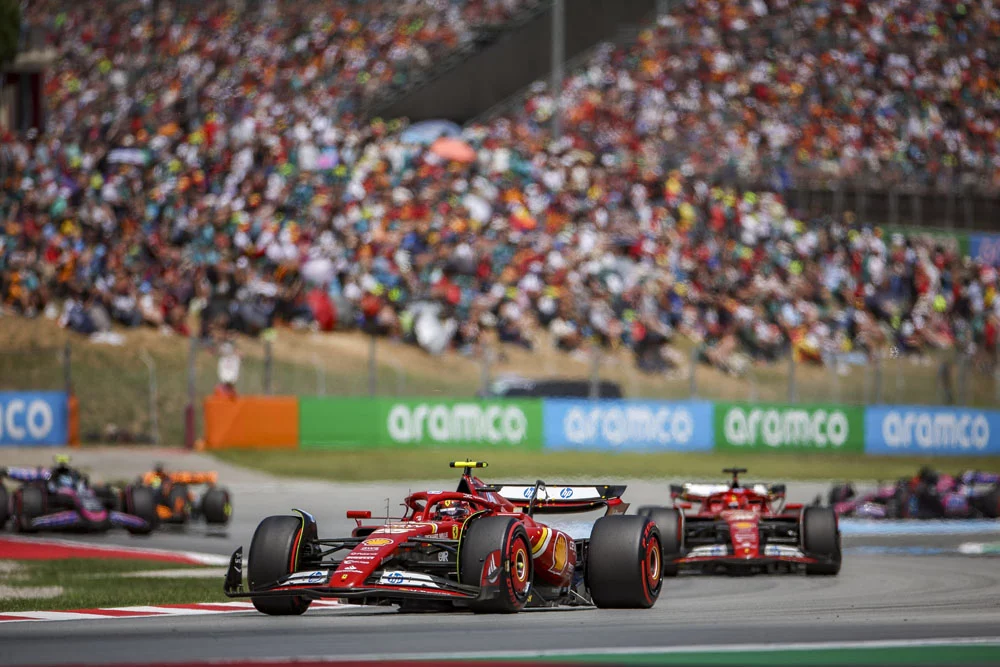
[
  {"x": 601, "y": 425},
  {"x": 266, "y": 422},
  {"x": 34, "y": 418}
]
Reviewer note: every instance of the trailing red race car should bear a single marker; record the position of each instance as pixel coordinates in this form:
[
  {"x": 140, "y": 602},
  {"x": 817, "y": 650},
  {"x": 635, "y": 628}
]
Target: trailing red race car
[
  {"x": 747, "y": 529},
  {"x": 480, "y": 547}
]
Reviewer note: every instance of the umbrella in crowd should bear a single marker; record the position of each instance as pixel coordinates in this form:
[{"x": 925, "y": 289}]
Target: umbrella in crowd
[
  {"x": 455, "y": 150},
  {"x": 427, "y": 132}
]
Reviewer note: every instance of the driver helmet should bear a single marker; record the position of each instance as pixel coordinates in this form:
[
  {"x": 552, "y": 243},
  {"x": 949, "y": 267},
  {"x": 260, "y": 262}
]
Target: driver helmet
[
  {"x": 732, "y": 501},
  {"x": 453, "y": 509}
]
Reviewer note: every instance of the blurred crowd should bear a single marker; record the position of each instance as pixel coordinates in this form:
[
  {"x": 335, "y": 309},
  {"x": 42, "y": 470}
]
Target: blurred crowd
[
  {"x": 211, "y": 168},
  {"x": 884, "y": 93}
]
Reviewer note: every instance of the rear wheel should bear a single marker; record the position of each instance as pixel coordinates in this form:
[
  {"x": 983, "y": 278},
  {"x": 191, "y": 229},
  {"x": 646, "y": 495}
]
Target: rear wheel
[
  {"x": 511, "y": 569},
  {"x": 821, "y": 540},
  {"x": 624, "y": 562},
  {"x": 30, "y": 502},
  {"x": 140, "y": 501},
  {"x": 4, "y": 506},
  {"x": 670, "y": 521},
  {"x": 274, "y": 553},
  {"x": 215, "y": 506}
]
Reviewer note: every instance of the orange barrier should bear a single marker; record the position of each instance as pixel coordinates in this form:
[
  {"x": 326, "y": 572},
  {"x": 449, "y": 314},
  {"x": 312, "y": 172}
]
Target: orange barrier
[
  {"x": 266, "y": 422},
  {"x": 73, "y": 425}
]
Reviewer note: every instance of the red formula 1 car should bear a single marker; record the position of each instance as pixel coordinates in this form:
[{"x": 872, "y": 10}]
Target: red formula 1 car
[
  {"x": 744, "y": 529},
  {"x": 480, "y": 547}
]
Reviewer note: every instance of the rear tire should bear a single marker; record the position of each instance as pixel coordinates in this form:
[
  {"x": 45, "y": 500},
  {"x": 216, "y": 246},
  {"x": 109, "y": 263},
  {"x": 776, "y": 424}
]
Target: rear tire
[
  {"x": 140, "y": 501},
  {"x": 821, "y": 539},
  {"x": 514, "y": 570},
  {"x": 670, "y": 521},
  {"x": 4, "y": 506},
  {"x": 274, "y": 553},
  {"x": 30, "y": 502},
  {"x": 624, "y": 562},
  {"x": 215, "y": 506}
]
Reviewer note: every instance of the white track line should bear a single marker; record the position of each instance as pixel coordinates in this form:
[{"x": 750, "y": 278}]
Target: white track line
[{"x": 148, "y": 611}]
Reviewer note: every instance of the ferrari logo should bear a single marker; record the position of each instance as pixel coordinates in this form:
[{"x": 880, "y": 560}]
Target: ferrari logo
[
  {"x": 455, "y": 530},
  {"x": 343, "y": 577}
]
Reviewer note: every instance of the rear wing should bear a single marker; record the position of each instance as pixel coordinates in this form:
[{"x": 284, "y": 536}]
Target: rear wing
[
  {"x": 697, "y": 492},
  {"x": 184, "y": 477},
  {"x": 561, "y": 499},
  {"x": 25, "y": 474}
]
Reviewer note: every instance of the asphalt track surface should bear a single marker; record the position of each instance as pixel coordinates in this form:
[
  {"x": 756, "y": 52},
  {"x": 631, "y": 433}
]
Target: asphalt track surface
[
  {"x": 892, "y": 596},
  {"x": 874, "y": 598}
]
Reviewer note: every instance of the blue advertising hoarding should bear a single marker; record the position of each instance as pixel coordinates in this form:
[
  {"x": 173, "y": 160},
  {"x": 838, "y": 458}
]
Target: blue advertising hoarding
[
  {"x": 935, "y": 431},
  {"x": 627, "y": 425},
  {"x": 31, "y": 418},
  {"x": 985, "y": 248}
]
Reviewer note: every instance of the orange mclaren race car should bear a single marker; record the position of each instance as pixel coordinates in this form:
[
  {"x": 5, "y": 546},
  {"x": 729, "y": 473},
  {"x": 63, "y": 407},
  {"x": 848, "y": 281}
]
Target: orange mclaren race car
[{"x": 177, "y": 503}]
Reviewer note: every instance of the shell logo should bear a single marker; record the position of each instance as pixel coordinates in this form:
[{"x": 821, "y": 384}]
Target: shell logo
[
  {"x": 377, "y": 542},
  {"x": 560, "y": 554},
  {"x": 743, "y": 525}
]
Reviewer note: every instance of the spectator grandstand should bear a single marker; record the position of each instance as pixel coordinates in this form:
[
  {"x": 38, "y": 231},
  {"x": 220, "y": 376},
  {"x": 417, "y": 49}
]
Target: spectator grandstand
[{"x": 214, "y": 166}]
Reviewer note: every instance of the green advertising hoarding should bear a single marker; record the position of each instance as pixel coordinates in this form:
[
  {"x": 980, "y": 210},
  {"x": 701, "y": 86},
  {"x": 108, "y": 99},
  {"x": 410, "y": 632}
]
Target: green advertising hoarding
[
  {"x": 784, "y": 427},
  {"x": 381, "y": 422}
]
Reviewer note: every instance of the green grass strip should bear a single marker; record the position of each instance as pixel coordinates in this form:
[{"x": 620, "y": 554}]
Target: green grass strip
[
  {"x": 90, "y": 583},
  {"x": 359, "y": 465}
]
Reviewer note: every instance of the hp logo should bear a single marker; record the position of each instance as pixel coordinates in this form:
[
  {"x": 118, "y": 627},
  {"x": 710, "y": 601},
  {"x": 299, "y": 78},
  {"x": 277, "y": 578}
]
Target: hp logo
[
  {"x": 528, "y": 491},
  {"x": 394, "y": 578},
  {"x": 566, "y": 493}
]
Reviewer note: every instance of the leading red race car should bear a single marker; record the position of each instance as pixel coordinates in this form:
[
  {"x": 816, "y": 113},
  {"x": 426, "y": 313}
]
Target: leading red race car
[
  {"x": 744, "y": 528},
  {"x": 480, "y": 547}
]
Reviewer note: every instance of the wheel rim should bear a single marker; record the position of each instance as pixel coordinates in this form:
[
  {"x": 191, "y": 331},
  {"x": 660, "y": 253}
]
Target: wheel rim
[
  {"x": 653, "y": 565},
  {"x": 520, "y": 567}
]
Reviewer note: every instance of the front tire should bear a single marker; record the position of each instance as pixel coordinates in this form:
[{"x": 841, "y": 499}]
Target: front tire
[
  {"x": 140, "y": 501},
  {"x": 513, "y": 571},
  {"x": 215, "y": 506},
  {"x": 670, "y": 521},
  {"x": 179, "y": 502},
  {"x": 988, "y": 505},
  {"x": 274, "y": 553},
  {"x": 624, "y": 562},
  {"x": 821, "y": 539}
]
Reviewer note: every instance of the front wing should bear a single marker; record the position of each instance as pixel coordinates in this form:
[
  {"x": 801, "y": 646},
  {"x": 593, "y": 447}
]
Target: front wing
[
  {"x": 76, "y": 520},
  {"x": 381, "y": 586},
  {"x": 720, "y": 554}
]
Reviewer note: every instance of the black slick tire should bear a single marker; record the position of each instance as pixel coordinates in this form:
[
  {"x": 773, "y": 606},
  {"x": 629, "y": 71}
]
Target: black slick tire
[
  {"x": 215, "y": 506},
  {"x": 274, "y": 553},
  {"x": 624, "y": 562},
  {"x": 513, "y": 573},
  {"x": 821, "y": 539}
]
